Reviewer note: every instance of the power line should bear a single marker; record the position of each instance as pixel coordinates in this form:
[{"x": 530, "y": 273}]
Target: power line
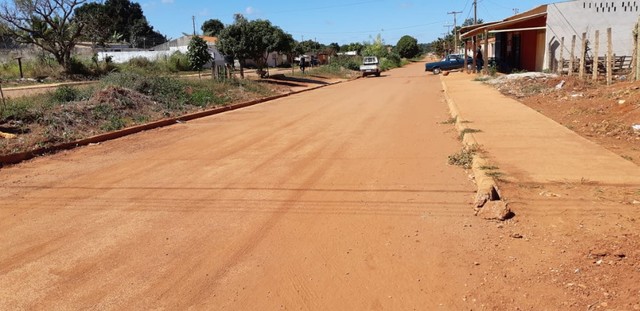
[
  {"x": 326, "y": 7},
  {"x": 366, "y": 31}
]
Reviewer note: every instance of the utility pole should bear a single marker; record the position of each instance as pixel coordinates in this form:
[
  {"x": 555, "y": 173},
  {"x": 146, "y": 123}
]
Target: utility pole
[
  {"x": 193, "y": 19},
  {"x": 447, "y": 34},
  {"x": 475, "y": 12},
  {"x": 475, "y": 38},
  {"x": 455, "y": 28}
]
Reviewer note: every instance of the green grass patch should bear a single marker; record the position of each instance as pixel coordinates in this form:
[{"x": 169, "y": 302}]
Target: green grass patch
[
  {"x": 451, "y": 120},
  {"x": 488, "y": 167},
  {"x": 463, "y": 158},
  {"x": 467, "y": 131}
]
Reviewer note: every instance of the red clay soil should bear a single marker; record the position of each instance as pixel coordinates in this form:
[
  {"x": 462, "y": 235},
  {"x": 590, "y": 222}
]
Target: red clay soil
[{"x": 336, "y": 199}]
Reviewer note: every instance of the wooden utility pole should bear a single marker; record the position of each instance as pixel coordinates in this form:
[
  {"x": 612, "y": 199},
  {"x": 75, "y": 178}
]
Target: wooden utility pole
[
  {"x": 455, "y": 28},
  {"x": 475, "y": 38},
  {"x": 572, "y": 55},
  {"x": 583, "y": 55},
  {"x": 596, "y": 56},
  {"x": 609, "y": 58},
  {"x": 561, "y": 60},
  {"x": 193, "y": 19}
]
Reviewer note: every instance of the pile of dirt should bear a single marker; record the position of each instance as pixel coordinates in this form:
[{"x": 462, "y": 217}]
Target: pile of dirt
[
  {"x": 127, "y": 100},
  {"x": 608, "y": 115}
]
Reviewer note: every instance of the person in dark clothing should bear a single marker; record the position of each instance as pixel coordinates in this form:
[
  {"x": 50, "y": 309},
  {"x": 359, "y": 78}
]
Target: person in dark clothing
[
  {"x": 479, "y": 60},
  {"x": 302, "y": 64}
]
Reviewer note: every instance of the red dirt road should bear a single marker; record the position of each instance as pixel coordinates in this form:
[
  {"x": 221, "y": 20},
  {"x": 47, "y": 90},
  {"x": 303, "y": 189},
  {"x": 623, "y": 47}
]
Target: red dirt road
[{"x": 336, "y": 199}]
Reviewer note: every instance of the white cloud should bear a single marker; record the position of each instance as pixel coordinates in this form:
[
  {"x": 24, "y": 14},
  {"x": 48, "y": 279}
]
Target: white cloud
[{"x": 250, "y": 10}]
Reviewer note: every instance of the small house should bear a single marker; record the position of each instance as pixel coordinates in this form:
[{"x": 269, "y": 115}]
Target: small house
[{"x": 539, "y": 39}]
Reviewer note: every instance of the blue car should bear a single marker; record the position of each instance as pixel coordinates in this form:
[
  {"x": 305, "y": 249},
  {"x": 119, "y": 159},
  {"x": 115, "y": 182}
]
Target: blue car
[{"x": 450, "y": 62}]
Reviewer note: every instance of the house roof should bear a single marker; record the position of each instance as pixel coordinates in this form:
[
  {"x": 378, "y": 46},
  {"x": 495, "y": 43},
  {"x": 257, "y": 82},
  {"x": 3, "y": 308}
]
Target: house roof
[
  {"x": 209, "y": 39},
  {"x": 536, "y": 13}
]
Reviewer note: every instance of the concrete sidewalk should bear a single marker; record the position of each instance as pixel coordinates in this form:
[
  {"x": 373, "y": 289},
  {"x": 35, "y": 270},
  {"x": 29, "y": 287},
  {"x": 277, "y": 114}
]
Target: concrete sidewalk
[{"x": 526, "y": 145}]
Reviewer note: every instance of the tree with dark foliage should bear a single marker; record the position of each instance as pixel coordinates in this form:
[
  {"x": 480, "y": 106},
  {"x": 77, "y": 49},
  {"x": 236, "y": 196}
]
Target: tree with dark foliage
[{"x": 48, "y": 24}]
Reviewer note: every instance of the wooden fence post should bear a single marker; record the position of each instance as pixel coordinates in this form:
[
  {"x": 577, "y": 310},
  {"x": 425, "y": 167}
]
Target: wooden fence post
[
  {"x": 583, "y": 55},
  {"x": 572, "y": 55},
  {"x": 596, "y": 50},
  {"x": 561, "y": 60},
  {"x": 485, "y": 67},
  {"x": 637, "y": 51},
  {"x": 609, "y": 58},
  {"x": 4, "y": 103},
  {"x": 466, "y": 62}
]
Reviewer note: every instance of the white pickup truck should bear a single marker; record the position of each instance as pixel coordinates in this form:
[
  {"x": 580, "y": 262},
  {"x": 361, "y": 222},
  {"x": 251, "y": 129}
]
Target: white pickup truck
[{"x": 370, "y": 66}]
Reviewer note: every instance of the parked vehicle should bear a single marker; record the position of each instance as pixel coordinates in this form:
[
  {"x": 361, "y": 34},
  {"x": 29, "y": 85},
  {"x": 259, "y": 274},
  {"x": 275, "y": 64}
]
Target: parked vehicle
[
  {"x": 450, "y": 62},
  {"x": 370, "y": 66}
]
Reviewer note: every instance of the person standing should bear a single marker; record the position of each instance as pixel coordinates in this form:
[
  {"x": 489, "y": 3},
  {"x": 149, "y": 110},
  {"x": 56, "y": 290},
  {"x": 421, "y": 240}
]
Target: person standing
[
  {"x": 302, "y": 63},
  {"x": 479, "y": 60}
]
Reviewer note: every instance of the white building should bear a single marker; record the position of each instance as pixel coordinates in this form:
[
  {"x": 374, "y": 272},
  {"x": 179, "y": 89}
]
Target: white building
[{"x": 165, "y": 50}]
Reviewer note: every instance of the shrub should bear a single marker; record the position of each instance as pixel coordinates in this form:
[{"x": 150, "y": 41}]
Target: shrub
[
  {"x": 65, "y": 94},
  {"x": 22, "y": 109},
  {"x": 77, "y": 67},
  {"x": 140, "y": 62},
  {"x": 178, "y": 61}
]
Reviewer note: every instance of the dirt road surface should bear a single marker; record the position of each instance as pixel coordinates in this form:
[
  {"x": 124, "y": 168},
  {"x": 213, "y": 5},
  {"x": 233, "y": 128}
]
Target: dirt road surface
[
  {"x": 335, "y": 199},
  {"x": 339, "y": 198}
]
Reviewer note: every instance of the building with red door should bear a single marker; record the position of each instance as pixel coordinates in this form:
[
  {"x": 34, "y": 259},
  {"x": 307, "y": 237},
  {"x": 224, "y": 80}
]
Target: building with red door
[{"x": 539, "y": 39}]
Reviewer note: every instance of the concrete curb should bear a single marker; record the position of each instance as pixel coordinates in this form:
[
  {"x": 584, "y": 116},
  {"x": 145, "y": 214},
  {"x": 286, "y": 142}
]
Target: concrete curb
[
  {"x": 27, "y": 155},
  {"x": 487, "y": 186}
]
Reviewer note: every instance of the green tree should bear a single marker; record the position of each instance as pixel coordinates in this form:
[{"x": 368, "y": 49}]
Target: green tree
[
  {"x": 469, "y": 22},
  {"x": 407, "y": 47},
  {"x": 355, "y": 46},
  {"x": 47, "y": 24},
  {"x": 334, "y": 47},
  {"x": 198, "y": 53},
  {"x": 122, "y": 17},
  {"x": 98, "y": 27},
  {"x": 309, "y": 46},
  {"x": 376, "y": 48},
  {"x": 232, "y": 42},
  {"x": 212, "y": 27},
  {"x": 252, "y": 40}
]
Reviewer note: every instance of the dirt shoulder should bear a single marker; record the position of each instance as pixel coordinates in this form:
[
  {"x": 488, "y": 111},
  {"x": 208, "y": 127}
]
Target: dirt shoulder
[
  {"x": 603, "y": 114},
  {"x": 585, "y": 234}
]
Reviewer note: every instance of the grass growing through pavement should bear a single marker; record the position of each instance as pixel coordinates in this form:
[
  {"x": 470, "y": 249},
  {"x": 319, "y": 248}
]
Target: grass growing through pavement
[
  {"x": 467, "y": 131},
  {"x": 464, "y": 158},
  {"x": 451, "y": 120}
]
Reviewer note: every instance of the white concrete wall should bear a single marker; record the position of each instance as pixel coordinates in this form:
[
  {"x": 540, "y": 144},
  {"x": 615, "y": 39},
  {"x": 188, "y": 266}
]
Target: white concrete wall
[
  {"x": 125, "y": 56},
  {"x": 566, "y": 19}
]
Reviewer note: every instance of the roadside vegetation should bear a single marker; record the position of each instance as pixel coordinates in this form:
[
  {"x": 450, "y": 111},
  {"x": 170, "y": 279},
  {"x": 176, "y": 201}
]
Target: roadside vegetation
[
  {"x": 120, "y": 100},
  {"x": 142, "y": 90}
]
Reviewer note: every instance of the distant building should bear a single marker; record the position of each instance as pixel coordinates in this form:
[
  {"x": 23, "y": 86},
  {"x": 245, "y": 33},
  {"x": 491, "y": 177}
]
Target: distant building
[{"x": 532, "y": 40}]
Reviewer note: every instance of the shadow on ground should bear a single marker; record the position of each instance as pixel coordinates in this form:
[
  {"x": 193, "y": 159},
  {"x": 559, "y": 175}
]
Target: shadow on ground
[{"x": 281, "y": 77}]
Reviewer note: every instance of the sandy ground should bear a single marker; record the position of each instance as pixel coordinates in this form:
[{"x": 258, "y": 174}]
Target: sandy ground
[{"x": 335, "y": 199}]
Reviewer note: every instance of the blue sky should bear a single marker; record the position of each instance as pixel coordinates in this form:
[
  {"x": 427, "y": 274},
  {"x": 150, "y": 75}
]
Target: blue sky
[{"x": 342, "y": 21}]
